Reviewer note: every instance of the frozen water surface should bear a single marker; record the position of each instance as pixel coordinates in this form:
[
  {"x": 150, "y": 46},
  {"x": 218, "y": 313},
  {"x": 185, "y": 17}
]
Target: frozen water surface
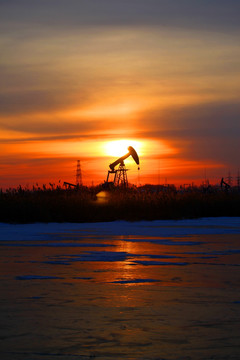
[{"x": 120, "y": 290}]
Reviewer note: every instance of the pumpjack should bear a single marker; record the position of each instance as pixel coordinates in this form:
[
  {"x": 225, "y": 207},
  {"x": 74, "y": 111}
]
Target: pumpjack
[
  {"x": 120, "y": 174},
  {"x": 227, "y": 186}
]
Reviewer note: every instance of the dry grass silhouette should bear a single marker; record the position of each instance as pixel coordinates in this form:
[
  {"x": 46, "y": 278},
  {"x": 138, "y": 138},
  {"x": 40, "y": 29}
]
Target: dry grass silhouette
[{"x": 57, "y": 204}]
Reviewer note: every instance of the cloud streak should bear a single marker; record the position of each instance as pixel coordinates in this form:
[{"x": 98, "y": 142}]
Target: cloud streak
[{"x": 188, "y": 14}]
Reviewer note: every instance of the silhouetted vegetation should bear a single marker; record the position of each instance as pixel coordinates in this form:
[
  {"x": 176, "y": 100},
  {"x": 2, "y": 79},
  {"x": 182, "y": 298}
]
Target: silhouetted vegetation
[{"x": 83, "y": 204}]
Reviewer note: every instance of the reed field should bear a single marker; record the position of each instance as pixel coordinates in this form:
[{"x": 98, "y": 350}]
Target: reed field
[{"x": 93, "y": 204}]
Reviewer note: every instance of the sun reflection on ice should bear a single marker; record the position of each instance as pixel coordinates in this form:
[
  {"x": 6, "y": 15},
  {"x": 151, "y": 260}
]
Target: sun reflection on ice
[{"x": 102, "y": 197}]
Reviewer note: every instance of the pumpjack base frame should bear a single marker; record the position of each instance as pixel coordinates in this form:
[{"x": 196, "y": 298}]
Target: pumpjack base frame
[{"x": 120, "y": 176}]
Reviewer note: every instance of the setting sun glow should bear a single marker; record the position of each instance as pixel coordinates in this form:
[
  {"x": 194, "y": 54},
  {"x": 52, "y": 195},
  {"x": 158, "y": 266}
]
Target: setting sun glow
[{"x": 120, "y": 147}]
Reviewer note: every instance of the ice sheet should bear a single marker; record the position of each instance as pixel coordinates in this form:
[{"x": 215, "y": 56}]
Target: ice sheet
[{"x": 121, "y": 290}]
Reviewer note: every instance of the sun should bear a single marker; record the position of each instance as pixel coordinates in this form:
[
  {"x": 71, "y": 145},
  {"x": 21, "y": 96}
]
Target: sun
[{"x": 118, "y": 148}]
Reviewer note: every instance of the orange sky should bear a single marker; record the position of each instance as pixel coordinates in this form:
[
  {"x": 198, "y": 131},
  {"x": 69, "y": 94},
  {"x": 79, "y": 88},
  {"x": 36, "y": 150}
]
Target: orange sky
[{"x": 74, "y": 79}]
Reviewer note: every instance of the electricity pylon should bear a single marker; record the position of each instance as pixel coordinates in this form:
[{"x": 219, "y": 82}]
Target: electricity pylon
[{"x": 78, "y": 173}]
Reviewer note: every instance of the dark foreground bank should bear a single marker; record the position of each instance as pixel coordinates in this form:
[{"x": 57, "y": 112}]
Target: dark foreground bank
[{"x": 93, "y": 205}]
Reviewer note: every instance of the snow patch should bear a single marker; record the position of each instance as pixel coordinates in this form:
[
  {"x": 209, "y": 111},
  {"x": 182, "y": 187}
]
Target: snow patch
[{"x": 160, "y": 228}]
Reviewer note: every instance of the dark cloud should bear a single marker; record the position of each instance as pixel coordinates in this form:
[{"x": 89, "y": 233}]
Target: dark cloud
[
  {"x": 33, "y": 88},
  {"x": 63, "y": 128},
  {"x": 200, "y": 132},
  {"x": 59, "y": 127},
  {"x": 32, "y": 101},
  {"x": 213, "y": 119},
  {"x": 219, "y": 15},
  {"x": 75, "y": 136},
  {"x": 37, "y": 161}
]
